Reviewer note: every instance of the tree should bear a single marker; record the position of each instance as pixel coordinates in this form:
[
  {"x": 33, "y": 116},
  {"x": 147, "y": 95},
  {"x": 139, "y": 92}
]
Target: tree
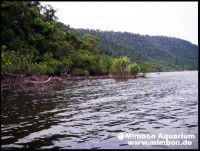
[
  {"x": 49, "y": 13},
  {"x": 35, "y": 4},
  {"x": 92, "y": 43},
  {"x": 170, "y": 53}
]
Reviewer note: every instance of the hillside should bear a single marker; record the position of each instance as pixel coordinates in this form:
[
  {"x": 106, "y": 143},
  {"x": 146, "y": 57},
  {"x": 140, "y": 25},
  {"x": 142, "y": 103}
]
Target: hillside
[
  {"x": 33, "y": 42},
  {"x": 164, "y": 53}
]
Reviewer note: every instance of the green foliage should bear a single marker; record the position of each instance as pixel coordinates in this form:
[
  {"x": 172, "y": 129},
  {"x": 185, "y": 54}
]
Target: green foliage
[
  {"x": 49, "y": 13},
  {"x": 51, "y": 63},
  {"x": 120, "y": 65},
  {"x": 6, "y": 61},
  {"x": 66, "y": 65},
  {"x": 106, "y": 63},
  {"x": 35, "y": 43},
  {"x": 80, "y": 72},
  {"x": 48, "y": 27},
  {"x": 25, "y": 28},
  {"x": 14, "y": 63},
  {"x": 9, "y": 34},
  {"x": 39, "y": 68},
  {"x": 91, "y": 43},
  {"x": 87, "y": 61},
  {"x": 34, "y": 12},
  {"x": 95, "y": 67},
  {"x": 38, "y": 22},
  {"x": 164, "y": 53},
  {"x": 81, "y": 59},
  {"x": 146, "y": 68},
  {"x": 133, "y": 69}
]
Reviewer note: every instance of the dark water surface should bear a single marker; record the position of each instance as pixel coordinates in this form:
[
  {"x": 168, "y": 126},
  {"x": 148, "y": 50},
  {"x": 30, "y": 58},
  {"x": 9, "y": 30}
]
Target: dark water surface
[{"x": 90, "y": 114}]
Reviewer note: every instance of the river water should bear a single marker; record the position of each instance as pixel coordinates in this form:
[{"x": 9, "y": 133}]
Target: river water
[{"x": 91, "y": 114}]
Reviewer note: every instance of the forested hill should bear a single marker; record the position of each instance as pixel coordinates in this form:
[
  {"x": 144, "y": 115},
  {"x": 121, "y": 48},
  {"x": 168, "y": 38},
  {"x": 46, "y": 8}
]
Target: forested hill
[
  {"x": 164, "y": 53},
  {"x": 33, "y": 42}
]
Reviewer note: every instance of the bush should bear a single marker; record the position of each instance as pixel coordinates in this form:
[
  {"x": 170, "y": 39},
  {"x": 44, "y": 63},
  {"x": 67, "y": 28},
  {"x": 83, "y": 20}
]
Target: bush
[
  {"x": 14, "y": 63},
  {"x": 105, "y": 63},
  {"x": 133, "y": 69},
  {"x": 95, "y": 67},
  {"x": 66, "y": 65},
  {"x": 119, "y": 65},
  {"x": 7, "y": 59},
  {"x": 39, "y": 68},
  {"x": 80, "y": 72},
  {"x": 81, "y": 59},
  {"x": 49, "y": 65},
  {"x": 146, "y": 68}
]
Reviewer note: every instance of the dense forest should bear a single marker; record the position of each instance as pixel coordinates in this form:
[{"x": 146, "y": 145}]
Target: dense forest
[
  {"x": 164, "y": 53},
  {"x": 33, "y": 42}
]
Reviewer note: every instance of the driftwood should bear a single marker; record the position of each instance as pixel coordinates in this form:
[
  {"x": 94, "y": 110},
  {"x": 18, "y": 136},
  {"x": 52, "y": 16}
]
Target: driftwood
[{"x": 40, "y": 82}]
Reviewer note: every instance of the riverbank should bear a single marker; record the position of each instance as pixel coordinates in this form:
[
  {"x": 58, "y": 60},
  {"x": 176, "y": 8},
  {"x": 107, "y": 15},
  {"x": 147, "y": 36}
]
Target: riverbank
[{"x": 44, "y": 84}]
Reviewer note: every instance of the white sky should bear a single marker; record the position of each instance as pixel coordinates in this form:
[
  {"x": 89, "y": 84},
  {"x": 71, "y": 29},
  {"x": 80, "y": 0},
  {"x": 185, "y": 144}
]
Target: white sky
[{"x": 174, "y": 19}]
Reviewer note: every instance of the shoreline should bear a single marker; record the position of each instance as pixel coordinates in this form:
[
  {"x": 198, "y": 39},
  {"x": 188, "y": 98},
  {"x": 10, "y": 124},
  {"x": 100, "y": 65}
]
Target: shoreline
[{"x": 44, "y": 84}]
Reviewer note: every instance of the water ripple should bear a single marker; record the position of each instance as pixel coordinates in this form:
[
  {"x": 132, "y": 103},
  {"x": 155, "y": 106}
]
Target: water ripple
[{"x": 90, "y": 113}]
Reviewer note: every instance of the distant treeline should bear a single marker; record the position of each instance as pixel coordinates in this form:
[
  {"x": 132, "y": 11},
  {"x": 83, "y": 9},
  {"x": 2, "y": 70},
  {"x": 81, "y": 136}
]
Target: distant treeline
[{"x": 163, "y": 53}]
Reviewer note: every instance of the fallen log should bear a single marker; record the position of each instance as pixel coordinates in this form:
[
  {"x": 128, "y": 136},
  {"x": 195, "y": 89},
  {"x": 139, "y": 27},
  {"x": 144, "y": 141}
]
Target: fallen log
[{"x": 40, "y": 82}]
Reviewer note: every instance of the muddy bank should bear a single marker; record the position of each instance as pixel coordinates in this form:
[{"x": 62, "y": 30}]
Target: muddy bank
[{"x": 42, "y": 84}]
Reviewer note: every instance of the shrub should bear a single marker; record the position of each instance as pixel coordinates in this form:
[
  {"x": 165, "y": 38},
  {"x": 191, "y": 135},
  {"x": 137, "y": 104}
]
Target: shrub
[
  {"x": 49, "y": 65},
  {"x": 7, "y": 59},
  {"x": 119, "y": 65},
  {"x": 39, "y": 68},
  {"x": 66, "y": 65},
  {"x": 133, "y": 69},
  {"x": 14, "y": 63},
  {"x": 80, "y": 72},
  {"x": 105, "y": 64},
  {"x": 146, "y": 68}
]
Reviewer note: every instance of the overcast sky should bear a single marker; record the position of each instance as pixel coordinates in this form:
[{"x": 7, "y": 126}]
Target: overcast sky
[{"x": 174, "y": 19}]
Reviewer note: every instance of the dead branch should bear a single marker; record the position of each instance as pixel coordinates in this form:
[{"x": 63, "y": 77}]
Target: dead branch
[{"x": 40, "y": 82}]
